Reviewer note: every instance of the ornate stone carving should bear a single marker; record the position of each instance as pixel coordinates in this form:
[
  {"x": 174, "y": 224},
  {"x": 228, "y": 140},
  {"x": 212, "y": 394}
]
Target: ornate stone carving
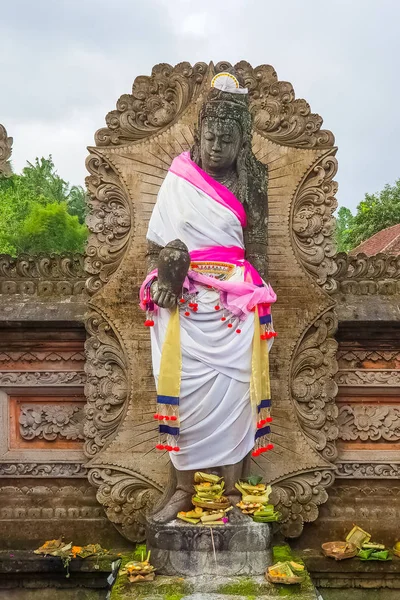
[
  {"x": 313, "y": 222},
  {"x": 374, "y": 377},
  {"x": 59, "y": 469},
  {"x": 154, "y": 103},
  {"x": 367, "y": 470},
  {"x": 127, "y": 498},
  {"x": 50, "y": 422},
  {"x": 33, "y": 356},
  {"x": 361, "y": 274},
  {"x": 276, "y": 112},
  {"x": 354, "y": 357},
  {"x": 106, "y": 389},
  {"x": 44, "y": 275},
  {"x": 313, "y": 386},
  {"x": 369, "y": 423},
  {"x": 110, "y": 221},
  {"x": 45, "y": 378},
  {"x": 298, "y": 497},
  {"x": 5, "y": 151},
  {"x": 132, "y": 154}
]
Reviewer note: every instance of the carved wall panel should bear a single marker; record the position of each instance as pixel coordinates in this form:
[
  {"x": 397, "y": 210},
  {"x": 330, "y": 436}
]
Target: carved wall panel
[
  {"x": 41, "y": 401},
  {"x": 369, "y": 400},
  {"x": 127, "y": 166}
]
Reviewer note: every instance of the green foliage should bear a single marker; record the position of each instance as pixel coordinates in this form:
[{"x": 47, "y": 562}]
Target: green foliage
[
  {"x": 374, "y": 213},
  {"x": 344, "y": 224},
  {"x": 50, "y": 229},
  {"x": 40, "y": 212}
]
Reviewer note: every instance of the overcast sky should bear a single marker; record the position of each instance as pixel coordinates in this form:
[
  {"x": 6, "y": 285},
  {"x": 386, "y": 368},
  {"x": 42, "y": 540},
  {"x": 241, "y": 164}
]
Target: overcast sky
[{"x": 64, "y": 63}]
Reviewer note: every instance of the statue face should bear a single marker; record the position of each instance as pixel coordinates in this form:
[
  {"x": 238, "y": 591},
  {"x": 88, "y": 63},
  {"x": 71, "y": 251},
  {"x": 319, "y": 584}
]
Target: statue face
[{"x": 220, "y": 142}]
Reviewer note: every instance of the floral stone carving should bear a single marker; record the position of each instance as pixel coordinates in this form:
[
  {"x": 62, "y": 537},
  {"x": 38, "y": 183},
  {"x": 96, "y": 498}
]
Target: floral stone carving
[
  {"x": 50, "y": 422},
  {"x": 132, "y": 154},
  {"x": 369, "y": 423}
]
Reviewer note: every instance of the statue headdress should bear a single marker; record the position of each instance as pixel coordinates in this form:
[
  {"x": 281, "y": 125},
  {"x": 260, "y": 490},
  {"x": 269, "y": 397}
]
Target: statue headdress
[{"x": 228, "y": 99}]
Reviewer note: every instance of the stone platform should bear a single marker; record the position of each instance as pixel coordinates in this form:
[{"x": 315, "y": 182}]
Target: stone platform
[
  {"x": 211, "y": 588},
  {"x": 186, "y": 550}
]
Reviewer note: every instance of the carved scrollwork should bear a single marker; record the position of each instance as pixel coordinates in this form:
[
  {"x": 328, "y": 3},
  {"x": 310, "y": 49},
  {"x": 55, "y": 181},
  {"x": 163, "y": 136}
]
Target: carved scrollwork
[
  {"x": 127, "y": 498},
  {"x": 369, "y": 423},
  {"x": 154, "y": 103},
  {"x": 367, "y": 470},
  {"x": 50, "y": 470},
  {"x": 106, "y": 389},
  {"x": 313, "y": 222},
  {"x": 48, "y": 422},
  {"x": 44, "y": 274},
  {"x": 373, "y": 377},
  {"x": 5, "y": 151},
  {"x": 41, "y": 378},
  {"x": 277, "y": 114},
  {"x": 109, "y": 220},
  {"x": 313, "y": 387},
  {"x": 297, "y": 499},
  {"x": 362, "y": 274}
]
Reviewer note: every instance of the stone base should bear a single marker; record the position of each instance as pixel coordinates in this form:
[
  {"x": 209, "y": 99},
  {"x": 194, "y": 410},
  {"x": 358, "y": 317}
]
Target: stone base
[{"x": 185, "y": 550}]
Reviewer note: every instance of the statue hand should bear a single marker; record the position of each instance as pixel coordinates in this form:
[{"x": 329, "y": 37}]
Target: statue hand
[{"x": 162, "y": 296}]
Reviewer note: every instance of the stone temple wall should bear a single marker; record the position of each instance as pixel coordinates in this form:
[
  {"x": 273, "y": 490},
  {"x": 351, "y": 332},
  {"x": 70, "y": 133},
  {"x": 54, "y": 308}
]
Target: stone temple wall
[{"x": 44, "y": 492}]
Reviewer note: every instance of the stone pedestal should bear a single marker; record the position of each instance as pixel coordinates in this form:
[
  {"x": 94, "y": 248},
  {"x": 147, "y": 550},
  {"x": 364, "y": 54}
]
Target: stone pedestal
[{"x": 178, "y": 548}]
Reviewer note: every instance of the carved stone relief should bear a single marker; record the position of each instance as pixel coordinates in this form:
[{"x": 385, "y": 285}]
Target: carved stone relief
[
  {"x": 50, "y": 422},
  {"x": 369, "y": 423},
  {"x": 375, "y": 377},
  {"x": 132, "y": 156},
  {"x": 41, "y": 402},
  {"x": 362, "y": 275},
  {"x": 5, "y": 151},
  {"x": 42, "y": 275}
]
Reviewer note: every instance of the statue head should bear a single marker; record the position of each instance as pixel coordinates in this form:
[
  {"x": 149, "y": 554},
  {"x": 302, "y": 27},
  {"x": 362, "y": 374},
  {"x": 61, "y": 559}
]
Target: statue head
[{"x": 224, "y": 133}]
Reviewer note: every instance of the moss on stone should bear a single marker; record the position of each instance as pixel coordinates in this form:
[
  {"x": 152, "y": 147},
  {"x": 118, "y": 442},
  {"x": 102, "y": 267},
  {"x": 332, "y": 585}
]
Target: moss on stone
[{"x": 245, "y": 587}]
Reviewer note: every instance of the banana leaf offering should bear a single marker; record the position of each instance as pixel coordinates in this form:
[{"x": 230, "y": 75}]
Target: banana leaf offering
[
  {"x": 358, "y": 536},
  {"x": 209, "y": 492},
  {"x": 374, "y": 554},
  {"x": 210, "y": 504},
  {"x": 139, "y": 570},
  {"x": 287, "y": 572},
  {"x": 254, "y": 502},
  {"x": 200, "y": 516}
]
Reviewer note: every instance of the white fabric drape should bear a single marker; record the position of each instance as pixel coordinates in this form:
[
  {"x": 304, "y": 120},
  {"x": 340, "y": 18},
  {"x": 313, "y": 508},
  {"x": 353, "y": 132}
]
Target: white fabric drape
[{"x": 217, "y": 425}]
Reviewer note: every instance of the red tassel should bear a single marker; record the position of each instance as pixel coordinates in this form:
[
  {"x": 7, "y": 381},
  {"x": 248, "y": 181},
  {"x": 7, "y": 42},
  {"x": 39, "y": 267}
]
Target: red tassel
[
  {"x": 230, "y": 325},
  {"x": 217, "y": 307},
  {"x": 176, "y": 449},
  {"x": 173, "y": 418},
  {"x": 149, "y": 323},
  {"x": 238, "y": 331},
  {"x": 223, "y": 318},
  {"x": 156, "y": 416},
  {"x": 187, "y": 314},
  {"x": 160, "y": 447},
  {"x": 268, "y": 420},
  {"x": 270, "y": 447},
  {"x": 168, "y": 448}
]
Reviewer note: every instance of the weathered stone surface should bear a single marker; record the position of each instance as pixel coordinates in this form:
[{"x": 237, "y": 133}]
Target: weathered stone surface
[
  {"x": 187, "y": 550},
  {"x": 148, "y": 129}
]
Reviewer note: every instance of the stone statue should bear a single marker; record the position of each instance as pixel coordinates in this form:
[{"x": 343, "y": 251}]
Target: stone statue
[{"x": 207, "y": 263}]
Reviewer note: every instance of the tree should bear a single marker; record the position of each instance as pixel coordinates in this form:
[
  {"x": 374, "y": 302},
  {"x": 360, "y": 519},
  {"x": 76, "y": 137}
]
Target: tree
[
  {"x": 374, "y": 213},
  {"x": 50, "y": 228},
  {"x": 37, "y": 203},
  {"x": 344, "y": 223}
]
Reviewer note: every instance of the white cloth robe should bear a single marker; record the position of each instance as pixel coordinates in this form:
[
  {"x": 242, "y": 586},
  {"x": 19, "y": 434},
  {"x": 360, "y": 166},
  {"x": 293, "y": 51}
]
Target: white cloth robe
[{"x": 217, "y": 425}]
